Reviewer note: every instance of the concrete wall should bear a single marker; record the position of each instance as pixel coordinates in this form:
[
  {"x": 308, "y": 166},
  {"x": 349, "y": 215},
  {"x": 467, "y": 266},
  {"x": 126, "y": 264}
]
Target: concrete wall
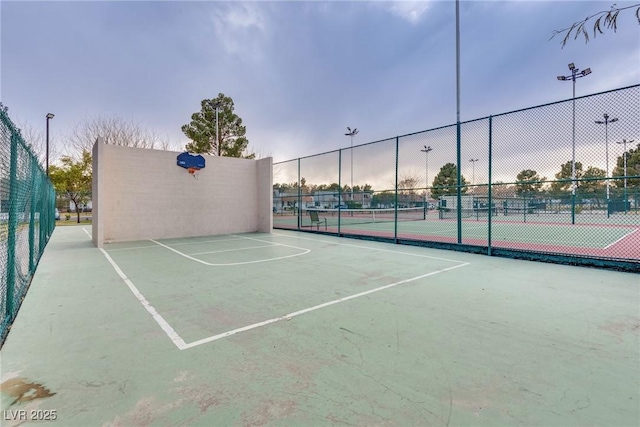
[{"x": 142, "y": 194}]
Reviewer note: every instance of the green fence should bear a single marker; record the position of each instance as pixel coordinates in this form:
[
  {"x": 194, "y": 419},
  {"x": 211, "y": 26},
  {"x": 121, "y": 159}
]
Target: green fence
[
  {"x": 558, "y": 182},
  {"x": 27, "y": 204}
]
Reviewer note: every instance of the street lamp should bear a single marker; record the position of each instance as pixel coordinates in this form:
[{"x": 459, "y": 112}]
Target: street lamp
[
  {"x": 575, "y": 74},
  {"x": 426, "y": 151},
  {"x": 624, "y": 141},
  {"x": 473, "y": 171},
  {"x": 351, "y": 133},
  {"x": 606, "y": 122},
  {"x": 49, "y": 117}
]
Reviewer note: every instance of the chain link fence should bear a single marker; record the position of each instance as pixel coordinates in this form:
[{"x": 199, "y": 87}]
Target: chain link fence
[
  {"x": 558, "y": 182},
  {"x": 27, "y": 204}
]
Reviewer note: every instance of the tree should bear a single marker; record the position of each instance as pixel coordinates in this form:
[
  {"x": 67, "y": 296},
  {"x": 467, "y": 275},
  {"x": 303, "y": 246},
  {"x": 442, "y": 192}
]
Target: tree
[
  {"x": 633, "y": 168},
  {"x": 527, "y": 182},
  {"x": 231, "y": 134},
  {"x": 592, "y": 188},
  {"x": 384, "y": 199},
  {"x": 610, "y": 22},
  {"x": 503, "y": 191},
  {"x": 35, "y": 139},
  {"x": 73, "y": 179},
  {"x": 115, "y": 131},
  {"x": 563, "y": 185},
  {"x": 446, "y": 181},
  {"x": 407, "y": 188}
]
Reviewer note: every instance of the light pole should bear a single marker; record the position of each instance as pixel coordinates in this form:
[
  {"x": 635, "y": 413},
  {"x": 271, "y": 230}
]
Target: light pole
[
  {"x": 606, "y": 122},
  {"x": 624, "y": 141},
  {"x": 217, "y": 107},
  {"x": 473, "y": 171},
  {"x": 351, "y": 133},
  {"x": 49, "y": 117},
  {"x": 426, "y": 151},
  {"x": 575, "y": 74}
]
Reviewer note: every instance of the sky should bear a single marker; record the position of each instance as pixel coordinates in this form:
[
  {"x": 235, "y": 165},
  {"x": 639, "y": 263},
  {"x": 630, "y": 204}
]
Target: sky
[{"x": 301, "y": 72}]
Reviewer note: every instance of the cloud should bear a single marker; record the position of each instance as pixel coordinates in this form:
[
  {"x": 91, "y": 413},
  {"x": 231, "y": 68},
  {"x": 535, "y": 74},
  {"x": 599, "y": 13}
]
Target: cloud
[
  {"x": 411, "y": 11},
  {"x": 241, "y": 28}
]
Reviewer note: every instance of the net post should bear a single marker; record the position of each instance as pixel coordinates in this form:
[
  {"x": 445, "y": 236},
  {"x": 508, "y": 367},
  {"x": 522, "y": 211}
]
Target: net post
[
  {"x": 490, "y": 188},
  {"x": 395, "y": 203},
  {"x": 32, "y": 217}
]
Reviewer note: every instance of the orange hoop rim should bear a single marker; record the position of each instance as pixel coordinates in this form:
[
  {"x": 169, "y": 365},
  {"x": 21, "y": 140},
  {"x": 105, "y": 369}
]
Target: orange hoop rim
[{"x": 192, "y": 170}]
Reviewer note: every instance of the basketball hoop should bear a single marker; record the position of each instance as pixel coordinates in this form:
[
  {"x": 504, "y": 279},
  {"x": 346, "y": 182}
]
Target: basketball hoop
[{"x": 192, "y": 171}]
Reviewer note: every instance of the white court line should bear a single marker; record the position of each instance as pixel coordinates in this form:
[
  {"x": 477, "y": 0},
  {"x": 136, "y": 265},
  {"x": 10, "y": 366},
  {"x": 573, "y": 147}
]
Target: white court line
[
  {"x": 366, "y": 247},
  {"x": 179, "y": 342},
  {"x": 175, "y": 244},
  {"x": 316, "y": 307},
  {"x": 171, "y": 333},
  {"x": 305, "y": 251},
  {"x": 623, "y": 237},
  {"x": 231, "y": 250},
  {"x": 133, "y": 247}
]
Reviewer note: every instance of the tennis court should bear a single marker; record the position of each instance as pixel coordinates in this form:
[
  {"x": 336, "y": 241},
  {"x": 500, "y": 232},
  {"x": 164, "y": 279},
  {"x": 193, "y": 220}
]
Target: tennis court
[
  {"x": 594, "y": 235},
  {"x": 290, "y": 328}
]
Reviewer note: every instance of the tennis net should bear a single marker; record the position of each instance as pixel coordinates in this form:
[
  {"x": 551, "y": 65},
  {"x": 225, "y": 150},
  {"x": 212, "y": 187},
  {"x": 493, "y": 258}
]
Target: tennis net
[
  {"x": 474, "y": 213},
  {"x": 368, "y": 216}
]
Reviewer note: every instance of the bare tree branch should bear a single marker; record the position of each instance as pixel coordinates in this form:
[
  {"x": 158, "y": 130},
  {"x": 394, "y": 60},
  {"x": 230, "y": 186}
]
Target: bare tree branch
[
  {"x": 610, "y": 22},
  {"x": 115, "y": 130}
]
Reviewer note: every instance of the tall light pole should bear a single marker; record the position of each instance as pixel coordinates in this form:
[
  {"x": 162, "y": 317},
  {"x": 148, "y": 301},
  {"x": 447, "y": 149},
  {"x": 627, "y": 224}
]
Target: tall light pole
[
  {"x": 426, "y": 151},
  {"x": 351, "y": 133},
  {"x": 217, "y": 107},
  {"x": 624, "y": 141},
  {"x": 49, "y": 117},
  {"x": 575, "y": 74},
  {"x": 606, "y": 122},
  {"x": 473, "y": 171}
]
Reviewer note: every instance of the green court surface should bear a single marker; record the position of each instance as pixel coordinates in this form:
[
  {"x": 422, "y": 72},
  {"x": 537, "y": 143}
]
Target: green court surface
[
  {"x": 297, "y": 329},
  {"x": 580, "y": 235}
]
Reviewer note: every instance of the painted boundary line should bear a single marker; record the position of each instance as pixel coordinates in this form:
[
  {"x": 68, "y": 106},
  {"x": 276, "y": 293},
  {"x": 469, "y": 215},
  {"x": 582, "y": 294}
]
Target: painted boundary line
[
  {"x": 373, "y": 249},
  {"x": 622, "y": 238},
  {"x": 180, "y": 343},
  {"x": 175, "y": 244},
  {"x": 317, "y": 307},
  {"x": 171, "y": 333},
  {"x": 304, "y": 252}
]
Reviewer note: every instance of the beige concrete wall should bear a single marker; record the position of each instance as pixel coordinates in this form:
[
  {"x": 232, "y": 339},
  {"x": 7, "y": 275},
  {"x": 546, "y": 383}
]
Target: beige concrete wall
[
  {"x": 265, "y": 194},
  {"x": 97, "y": 228},
  {"x": 145, "y": 195}
]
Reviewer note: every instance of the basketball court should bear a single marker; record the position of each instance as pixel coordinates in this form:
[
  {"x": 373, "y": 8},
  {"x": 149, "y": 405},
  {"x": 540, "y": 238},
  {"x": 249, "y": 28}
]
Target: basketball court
[{"x": 289, "y": 328}]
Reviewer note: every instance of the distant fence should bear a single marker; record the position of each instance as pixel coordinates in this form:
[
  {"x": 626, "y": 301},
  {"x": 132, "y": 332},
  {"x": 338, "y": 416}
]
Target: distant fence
[
  {"x": 27, "y": 203},
  {"x": 558, "y": 182}
]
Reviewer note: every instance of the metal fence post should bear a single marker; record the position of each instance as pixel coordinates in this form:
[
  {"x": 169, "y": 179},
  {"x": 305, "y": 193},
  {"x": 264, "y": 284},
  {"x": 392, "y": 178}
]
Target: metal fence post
[
  {"x": 490, "y": 188},
  {"x": 395, "y": 203},
  {"x": 32, "y": 217},
  {"x": 339, "y": 186},
  {"x": 299, "y": 199},
  {"x": 13, "y": 219},
  {"x": 459, "y": 191}
]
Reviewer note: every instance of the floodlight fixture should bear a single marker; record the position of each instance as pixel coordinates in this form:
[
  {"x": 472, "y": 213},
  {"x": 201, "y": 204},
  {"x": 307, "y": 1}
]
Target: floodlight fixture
[
  {"x": 575, "y": 74},
  {"x": 606, "y": 122},
  {"x": 351, "y": 134}
]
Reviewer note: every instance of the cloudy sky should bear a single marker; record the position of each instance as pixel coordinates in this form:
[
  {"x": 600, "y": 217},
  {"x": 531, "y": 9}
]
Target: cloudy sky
[{"x": 301, "y": 72}]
